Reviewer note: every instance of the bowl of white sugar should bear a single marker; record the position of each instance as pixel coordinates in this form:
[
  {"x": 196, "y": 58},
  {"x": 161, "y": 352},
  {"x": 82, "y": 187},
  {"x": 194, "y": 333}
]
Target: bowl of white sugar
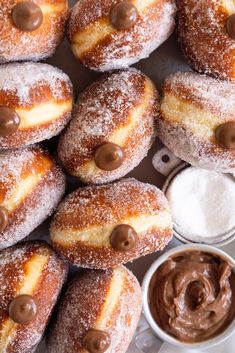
[{"x": 202, "y": 204}]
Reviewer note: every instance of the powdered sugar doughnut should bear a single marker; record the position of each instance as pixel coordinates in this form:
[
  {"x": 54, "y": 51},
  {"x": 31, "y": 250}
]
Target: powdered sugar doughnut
[
  {"x": 105, "y": 305},
  {"x": 31, "y": 30},
  {"x": 197, "y": 120},
  {"x": 105, "y": 226},
  {"x": 31, "y": 185},
  {"x": 32, "y": 275},
  {"x": 112, "y": 128},
  {"x": 114, "y": 34},
  {"x": 35, "y": 103},
  {"x": 206, "y": 30}
]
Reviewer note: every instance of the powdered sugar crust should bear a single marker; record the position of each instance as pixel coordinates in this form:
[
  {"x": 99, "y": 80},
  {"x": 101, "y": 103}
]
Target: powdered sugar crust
[
  {"x": 194, "y": 150},
  {"x": 38, "y": 205},
  {"x": 106, "y": 202},
  {"x": 103, "y": 108},
  {"x": 94, "y": 286},
  {"x": 203, "y": 35},
  {"x": 210, "y": 93},
  {"x": 118, "y": 55},
  {"x": 16, "y": 45},
  {"x": 13, "y": 273},
  {"x": 125, "y": 48},
  {"x": 19, "y": 78}
]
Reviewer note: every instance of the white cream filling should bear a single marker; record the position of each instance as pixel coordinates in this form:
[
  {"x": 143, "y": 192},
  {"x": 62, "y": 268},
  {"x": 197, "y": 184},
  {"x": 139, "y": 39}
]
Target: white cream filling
[
  {"x": 88, "y": 38},
  {"x": 41, "y": 114},
  {"x": 34, "y": 270},
  {"x": 100, "y": 235}
]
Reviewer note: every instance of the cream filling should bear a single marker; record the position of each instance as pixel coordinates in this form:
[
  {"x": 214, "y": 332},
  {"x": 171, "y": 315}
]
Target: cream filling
[
  {"x": 121, "y": 135},
  {"x": 42, "y": 114},
  {"x": 201, "y": 122},
  {"x": 34, "y": 269},
  {"x": 112, "y": 298},
  {"x": 23, "y": 188},
  {"x": 54, "y": 8},
  {"x": 229, "y": 6},
  {"x": 100, "y": 235},
  {"x": 105, "y": 321},
  {"x": 85, "y": 40}
]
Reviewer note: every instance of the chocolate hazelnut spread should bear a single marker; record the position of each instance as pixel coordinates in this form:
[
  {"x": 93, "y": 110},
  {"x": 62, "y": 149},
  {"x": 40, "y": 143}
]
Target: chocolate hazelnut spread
[{"x": 192, "y": 296}]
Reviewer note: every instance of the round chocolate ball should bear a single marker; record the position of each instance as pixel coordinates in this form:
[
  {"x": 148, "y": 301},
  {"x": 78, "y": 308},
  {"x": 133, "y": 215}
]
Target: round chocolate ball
[
  {"x": 23, "y": 309},
  {"x": 27, "y": 16},
  {"x": 225, "y": 135},
  {"x": 123, "y": 15},
  {"x": 9, "y": 121},
  {"x": 123, "y": 238},
  {"x": 109, "y": 156}
]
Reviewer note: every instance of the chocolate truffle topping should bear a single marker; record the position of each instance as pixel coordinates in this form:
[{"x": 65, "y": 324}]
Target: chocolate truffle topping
[
  {"x": 123, "y": 238},
  {"x": 3, "y": 218},
  {"x": 123, "y": 15},
  {"x": 9, "y": 121},
  {"x": 225, "y": 135},
  {"x": 231, "y": 26},
  {"x": 23, "y": 309},
  {"x": 27, "y": 16},
  {"x": 96, "y": 341},
  {"x": 109, "y": 156}
]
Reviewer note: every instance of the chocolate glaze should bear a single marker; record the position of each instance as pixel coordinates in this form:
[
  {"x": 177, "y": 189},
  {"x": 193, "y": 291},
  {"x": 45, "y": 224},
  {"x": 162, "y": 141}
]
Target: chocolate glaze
[
  {"x": 225, "y": 135},
  {"x": 27, "y": 16},
  {"x": 96, "y": 341},
  {"x": 192, "y": 296},
  {"x": 123, "y": 15},
  {"x": 231, "y": 26}
]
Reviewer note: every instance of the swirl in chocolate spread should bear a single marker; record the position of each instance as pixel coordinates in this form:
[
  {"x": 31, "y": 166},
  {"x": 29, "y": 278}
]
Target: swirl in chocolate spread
[{"x": 192, "y": 296}]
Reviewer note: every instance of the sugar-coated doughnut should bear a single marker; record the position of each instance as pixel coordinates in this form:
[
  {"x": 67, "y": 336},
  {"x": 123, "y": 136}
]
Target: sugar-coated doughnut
[
  {"x": 207, "y": 35},
  {"x": 104, "y": 306},
  {"x": 31, "y": 185},
  {"x": 31, "y": 278},
  {"x": 113, "y": 34},
  {"x": 35, "y": 103},
  {"x": 104, "y": 226},
  {"x": 31, "y": 30},
  {"x": 197, "y": 120},
  {"x": 112, "y": 128}
]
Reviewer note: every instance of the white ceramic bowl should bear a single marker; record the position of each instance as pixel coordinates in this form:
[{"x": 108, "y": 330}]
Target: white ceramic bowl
[
  {"x": 145, "y": 290},
  {"x": 220, "y": 240}
]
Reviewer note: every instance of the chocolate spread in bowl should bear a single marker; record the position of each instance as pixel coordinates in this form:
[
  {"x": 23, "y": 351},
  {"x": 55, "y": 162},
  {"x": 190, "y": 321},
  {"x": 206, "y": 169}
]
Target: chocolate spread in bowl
[{"x": 192, "y": 296}]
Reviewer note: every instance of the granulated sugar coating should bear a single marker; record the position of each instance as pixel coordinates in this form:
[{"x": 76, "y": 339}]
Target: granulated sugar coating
[
  {"x": 204, "y": 39},
  {"x": 42, "y": 97},
  {"x": 105, "y": 48},
  {"x": 120, "y": 107},
  {"x": 202, "y": 204},
  {"x": 192, "y": 108},
  {"x": 20, "y": 79},
  {"x": 82, "y": 308},
  {"x": 35, "y": 204},
  {"x": 17, "y": 45},
  {"x": 16, "y": 267}
]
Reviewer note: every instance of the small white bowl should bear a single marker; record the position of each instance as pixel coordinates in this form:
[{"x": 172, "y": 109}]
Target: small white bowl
[
  {"x": 221, "y": 239},
  {"x": 145, "y": 290}
]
